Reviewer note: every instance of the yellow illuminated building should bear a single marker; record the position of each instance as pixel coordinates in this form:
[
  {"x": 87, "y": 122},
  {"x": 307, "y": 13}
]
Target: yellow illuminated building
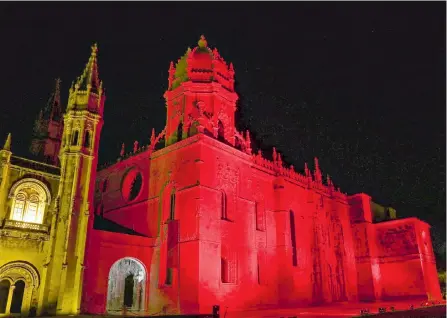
[{"x": 44, "y": 205}]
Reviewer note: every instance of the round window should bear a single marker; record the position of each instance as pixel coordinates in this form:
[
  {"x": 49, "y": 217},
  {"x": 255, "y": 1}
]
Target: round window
[{"x": 131, "y": 186}]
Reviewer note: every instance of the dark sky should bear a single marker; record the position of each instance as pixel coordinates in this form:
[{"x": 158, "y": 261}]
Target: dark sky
[{"x": 359, "y": 85}]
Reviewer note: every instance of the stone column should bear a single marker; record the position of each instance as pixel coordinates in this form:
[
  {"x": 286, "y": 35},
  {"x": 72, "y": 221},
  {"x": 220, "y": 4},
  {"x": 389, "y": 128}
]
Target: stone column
[{"x": 8, "y": 302}]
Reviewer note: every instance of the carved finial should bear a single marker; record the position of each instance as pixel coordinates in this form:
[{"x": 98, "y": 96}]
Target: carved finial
[
  {"x": 7, "y": 145},
  {"x": 329, "y": 181},
  {"x": 279, "y": 160},
  {"x": 306, "y": 170},
  {"x": 202, "y": 42},
  {"x": 248, "y": 142},
  {"x": 94, "y": 49},
  {"x": 231, "y": 67},
  {"x": 274, "y": 154},
  {"x": 153, "y": 137},
  {"x": 171, "y": 67},
  {"x": 259, "y": 153},
  {"x": 135, "y": 146},
  {"x": 122, "y": 150},
  {"x": 318, "y": 176}
]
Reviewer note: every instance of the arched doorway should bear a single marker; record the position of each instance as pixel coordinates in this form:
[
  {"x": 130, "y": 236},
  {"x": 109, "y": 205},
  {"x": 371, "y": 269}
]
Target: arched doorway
[
  {"x": 17, "y": 297},
  {"x": 19, "y": 282},
  {"x": 126, "y": 285}
]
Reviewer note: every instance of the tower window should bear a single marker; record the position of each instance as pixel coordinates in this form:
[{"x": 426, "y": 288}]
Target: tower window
[
  {"x": 27, "y": 208},
  {"x": 172, "y": 207},
  {"x": 87, "y": 139},
  {"x": 168, "y": 276},
  {"x": 260, "y": 216},
  {"x": 29, "y": 201},
  {"x": 228, "y": 265},
  {"x": 293, "y": 238},
  {"x": 223, "y": 206},
  {"x": 224, "y": 268},
  {"x": 180, "y": 132},
  {"x": 74, "y": 141},
  {"x": 220, "y": 131}
]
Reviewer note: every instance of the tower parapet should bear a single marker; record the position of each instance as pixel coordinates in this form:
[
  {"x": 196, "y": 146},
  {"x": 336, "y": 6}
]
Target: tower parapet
[{"x": 200, "y": 96}]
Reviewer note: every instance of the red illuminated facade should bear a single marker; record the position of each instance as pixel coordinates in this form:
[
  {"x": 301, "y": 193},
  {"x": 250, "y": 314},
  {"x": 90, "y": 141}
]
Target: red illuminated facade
[{"x": 196, "y": 219}]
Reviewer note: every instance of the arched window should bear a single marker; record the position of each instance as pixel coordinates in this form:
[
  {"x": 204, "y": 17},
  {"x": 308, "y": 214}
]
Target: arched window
[
  {"x": 223, "y": 206},
  {"x": 29, "y": 197},
  {"x": 74, "y": 141},
  {"x": 17, "y": 297},
  {"x": 19, "y": 207},
  {"x": 293, "y": 238},
  {"x": 168, "y": 276},
  {"x": 87, "y": 139},
  {"x": 4, "y": 293},
  {"x": 31, "y": 209},
  {"x": 179, "y": 131},
  {"x": 220, "y": 131},
  {"x": 172, "y": 207},
  {"x": 224, "y": 270}
]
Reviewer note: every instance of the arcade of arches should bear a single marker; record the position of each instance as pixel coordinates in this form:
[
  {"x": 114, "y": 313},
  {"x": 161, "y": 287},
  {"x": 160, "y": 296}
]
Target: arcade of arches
[
  {"x": 126, "y": 285},
  {"x": 18, "y": 284}
]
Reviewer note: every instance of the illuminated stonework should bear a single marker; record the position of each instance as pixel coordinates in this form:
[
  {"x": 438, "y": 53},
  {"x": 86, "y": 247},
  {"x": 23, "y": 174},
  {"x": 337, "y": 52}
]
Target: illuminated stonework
[{"x": 191, "y": 220}]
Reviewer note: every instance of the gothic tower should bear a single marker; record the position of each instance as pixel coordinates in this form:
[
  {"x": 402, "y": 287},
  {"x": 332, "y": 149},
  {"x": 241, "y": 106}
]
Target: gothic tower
[
  {"x": 78, "y": 158},
  {"x": 48, "y": 129},
  {"x": 200, "y": 96}
]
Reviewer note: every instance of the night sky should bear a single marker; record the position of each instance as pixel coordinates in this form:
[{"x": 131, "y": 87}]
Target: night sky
[{"x": 359, "y": 85}]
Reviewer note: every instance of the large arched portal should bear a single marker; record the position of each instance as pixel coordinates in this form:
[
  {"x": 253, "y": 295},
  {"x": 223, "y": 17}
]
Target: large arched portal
[{"x": 126, "y": 286}]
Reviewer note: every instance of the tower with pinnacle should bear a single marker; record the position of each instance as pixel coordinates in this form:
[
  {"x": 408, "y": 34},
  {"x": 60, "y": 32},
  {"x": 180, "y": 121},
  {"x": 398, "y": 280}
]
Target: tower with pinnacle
[
  {"x": 78, "y": 159},
  {"x": 48, "y": 128}
]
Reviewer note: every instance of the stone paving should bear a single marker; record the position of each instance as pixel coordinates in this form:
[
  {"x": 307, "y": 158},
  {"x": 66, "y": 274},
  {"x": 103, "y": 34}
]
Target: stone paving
[{"x": 328, "y": 311}]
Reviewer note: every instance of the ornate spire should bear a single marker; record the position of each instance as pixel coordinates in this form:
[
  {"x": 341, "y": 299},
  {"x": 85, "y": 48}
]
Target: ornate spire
[
  {"x": 55, "y": 100},
  {"x": 7, "y": 145},
  {"x": 89, "y": 80},
  {"x": 135, "y": 146}
]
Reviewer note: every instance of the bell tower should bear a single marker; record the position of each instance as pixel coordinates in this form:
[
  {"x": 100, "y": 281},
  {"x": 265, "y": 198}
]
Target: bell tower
[
  {"x": 201, "y": 96},
  {"x": 48, "y": 129},
  {"x": 83, "y": 122}
]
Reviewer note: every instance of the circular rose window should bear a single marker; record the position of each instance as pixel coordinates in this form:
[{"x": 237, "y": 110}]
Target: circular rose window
[{"x": 131, "y": 186}]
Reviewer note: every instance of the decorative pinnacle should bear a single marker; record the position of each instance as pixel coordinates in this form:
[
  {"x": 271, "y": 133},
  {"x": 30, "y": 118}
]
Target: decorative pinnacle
[
  {"x": 94, "y": 49},
  {"x": 306, "y": 170},
  {"x": 153, "y": 137},
  {"x": 7, "y": 145},
  {"x": 122, "y": 150},
  {"x": 202, "y": 42}
]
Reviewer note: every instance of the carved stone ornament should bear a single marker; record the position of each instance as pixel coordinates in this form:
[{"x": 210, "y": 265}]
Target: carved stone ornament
[{"x": 21, "y": 270}]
